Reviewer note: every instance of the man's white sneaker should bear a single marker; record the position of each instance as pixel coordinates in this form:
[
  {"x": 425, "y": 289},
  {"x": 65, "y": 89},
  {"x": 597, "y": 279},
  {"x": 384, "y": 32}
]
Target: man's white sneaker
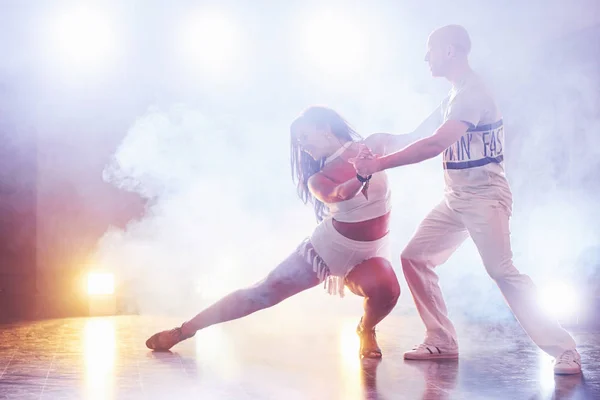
[
  {"x": 568, "y": 363},
  {"x": 428, "y": 352}
]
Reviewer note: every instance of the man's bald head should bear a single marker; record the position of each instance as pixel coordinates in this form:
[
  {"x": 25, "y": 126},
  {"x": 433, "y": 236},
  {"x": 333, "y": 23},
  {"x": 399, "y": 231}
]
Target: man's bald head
[
  {"x": 452, "y": 35},
  {"x": 447, "y": 48}
]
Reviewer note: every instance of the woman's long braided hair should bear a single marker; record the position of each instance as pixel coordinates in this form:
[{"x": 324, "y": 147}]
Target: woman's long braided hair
[{"x": 303, "y": 165}]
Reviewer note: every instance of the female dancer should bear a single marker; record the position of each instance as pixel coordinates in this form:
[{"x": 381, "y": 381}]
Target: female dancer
[{"x": 349, "y": 247}]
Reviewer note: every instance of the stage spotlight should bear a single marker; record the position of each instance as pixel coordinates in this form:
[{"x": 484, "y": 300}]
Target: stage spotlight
[
  {"x": 80, "y": 39},
  {"x": 210, "y": 45},
  {"x": 100, "y": 283},
  {"x": 101, "y": 293},
  {"x": 560, "y": 301},
  {"x": 99, "y": 354},
  {"x": 335, "y": 43}
]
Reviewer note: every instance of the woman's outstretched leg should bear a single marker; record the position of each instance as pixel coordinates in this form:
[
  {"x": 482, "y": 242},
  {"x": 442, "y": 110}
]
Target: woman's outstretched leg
[
  {"x": 292, "y": 276},
  {"x": 376, "y": 281}
]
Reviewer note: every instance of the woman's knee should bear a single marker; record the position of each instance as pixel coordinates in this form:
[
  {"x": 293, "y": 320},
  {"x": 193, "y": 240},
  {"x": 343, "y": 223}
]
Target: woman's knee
[
  {"x": 376, "y": 278},
  {"x": 391, "y": 288},
  {"x": 389, "y": 293}
]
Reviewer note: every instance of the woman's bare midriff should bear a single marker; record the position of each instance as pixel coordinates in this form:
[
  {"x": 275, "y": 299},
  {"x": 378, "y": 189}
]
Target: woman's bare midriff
[{"x": 364, "y": 231}]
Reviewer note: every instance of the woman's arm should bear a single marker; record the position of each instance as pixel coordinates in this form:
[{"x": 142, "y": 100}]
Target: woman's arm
[{"x": 329, "y": 191}]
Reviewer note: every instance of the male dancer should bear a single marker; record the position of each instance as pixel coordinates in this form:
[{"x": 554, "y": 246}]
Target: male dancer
[{"x": 477, "y": 203}]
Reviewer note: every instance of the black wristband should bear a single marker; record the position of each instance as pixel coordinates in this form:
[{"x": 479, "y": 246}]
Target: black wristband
[{"x": 363, "y": 180}]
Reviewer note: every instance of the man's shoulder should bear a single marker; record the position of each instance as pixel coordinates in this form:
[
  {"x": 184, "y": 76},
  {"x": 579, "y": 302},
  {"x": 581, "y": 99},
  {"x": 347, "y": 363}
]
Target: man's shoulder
[
  {"x": 376, "y": 141},
  {"x": 477, "y": 84},
  {"x": 473, "y": 90}
]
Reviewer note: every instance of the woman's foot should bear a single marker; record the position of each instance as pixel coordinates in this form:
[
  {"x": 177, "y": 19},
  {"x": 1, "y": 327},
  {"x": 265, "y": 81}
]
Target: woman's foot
[
  {"x": 163, "y": 341},
  {"x": 368, "y": 342}
]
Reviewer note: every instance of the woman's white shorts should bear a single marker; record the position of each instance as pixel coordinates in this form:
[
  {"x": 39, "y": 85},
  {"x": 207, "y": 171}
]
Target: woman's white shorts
[{"x": 333, "y": 255}]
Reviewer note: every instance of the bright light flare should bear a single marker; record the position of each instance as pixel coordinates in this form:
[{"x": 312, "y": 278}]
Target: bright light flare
[
  {"x": 350, "y": 363},
  {"x": 349, "y": 344},
  {"x": 559, "y": 300},
  {"x": 100, "y": 283},
  {"x": 99, "y": 351},
  {"x": 335, "y": 43},
  {"x": 82, "y": 38},
  {"x": 211, "y": 44}
]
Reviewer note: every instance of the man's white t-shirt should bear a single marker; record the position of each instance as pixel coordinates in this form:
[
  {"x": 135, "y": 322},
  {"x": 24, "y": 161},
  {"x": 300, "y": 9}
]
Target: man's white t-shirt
[{"x": 474, "y": 165}]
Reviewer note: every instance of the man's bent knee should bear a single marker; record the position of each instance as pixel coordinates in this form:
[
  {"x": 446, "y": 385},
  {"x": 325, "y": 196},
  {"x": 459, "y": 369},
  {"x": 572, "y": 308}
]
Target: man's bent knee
[
  {"x": 409, "y": 261},
  {"x": 502, "y": 271}
]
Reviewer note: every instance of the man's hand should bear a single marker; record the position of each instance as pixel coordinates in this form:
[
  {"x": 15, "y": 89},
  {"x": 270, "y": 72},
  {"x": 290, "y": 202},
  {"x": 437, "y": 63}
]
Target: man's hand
[{"x": 365, "y": 163}]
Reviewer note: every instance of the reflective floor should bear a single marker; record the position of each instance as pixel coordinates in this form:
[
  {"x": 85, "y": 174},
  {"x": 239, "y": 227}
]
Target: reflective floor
[{"x": 255, "y": 358}]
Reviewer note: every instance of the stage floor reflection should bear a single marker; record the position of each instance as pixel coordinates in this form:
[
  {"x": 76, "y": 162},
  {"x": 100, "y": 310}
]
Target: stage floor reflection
[{"x": 258, "y": 358}]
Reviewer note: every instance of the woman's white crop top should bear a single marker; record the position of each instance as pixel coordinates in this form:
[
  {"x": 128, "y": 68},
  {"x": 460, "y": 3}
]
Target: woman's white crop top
[{"x": 358, "y": 208}]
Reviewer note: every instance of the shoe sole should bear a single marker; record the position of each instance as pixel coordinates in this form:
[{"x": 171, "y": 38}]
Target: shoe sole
[
  {"x": 447, "y": 356},
  {"x": 370, "y": 355},
  {"x": 567, "y": 372}
]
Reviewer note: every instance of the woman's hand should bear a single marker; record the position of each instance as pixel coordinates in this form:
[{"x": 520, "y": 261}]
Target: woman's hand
[
  {"x": 364, "y": 153},
  {"x": 365, "y": 163}
]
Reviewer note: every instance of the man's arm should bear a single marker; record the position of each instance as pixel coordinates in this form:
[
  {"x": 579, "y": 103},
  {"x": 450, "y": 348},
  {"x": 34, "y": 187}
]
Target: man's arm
[
  {"x": 421, "y": 150},
  {"x": 462, "y": 113},
  {"x": 429, "y": 147},
  {"x": 391, "y": 143}
]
